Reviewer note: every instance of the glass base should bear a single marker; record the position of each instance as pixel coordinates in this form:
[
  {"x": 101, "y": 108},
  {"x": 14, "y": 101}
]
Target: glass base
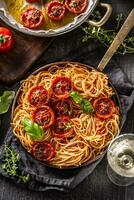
[{"x": 117, "y": 179}]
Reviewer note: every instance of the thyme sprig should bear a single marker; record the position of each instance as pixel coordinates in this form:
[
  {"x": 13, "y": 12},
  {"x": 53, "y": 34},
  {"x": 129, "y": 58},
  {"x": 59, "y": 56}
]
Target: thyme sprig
[
  {"x": 106, "y": 37},
  {"x": 10, "y": 165}
]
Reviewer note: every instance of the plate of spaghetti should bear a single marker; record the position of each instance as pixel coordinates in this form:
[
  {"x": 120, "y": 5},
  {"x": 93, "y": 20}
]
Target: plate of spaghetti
[{"x": 65, "y": 114}]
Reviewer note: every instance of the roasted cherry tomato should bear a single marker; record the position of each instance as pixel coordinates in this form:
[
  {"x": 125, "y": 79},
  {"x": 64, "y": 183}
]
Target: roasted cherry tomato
[
  {"x": 104, "y": 107},
  {"x": 62, "y": 127},
  {"x": 6, "y": 39},
  {"x": 61, "y": 87},
  {"x": 43, "y": 151},
  {"x": 44, "y": 116},
  {"x": 38, "y": 96},
  {"x": 55, "y": 10},
  {"x": 76, "y": 6},
  {"x": 32, "y": 18},
  {"x": 62, "y": 107}
]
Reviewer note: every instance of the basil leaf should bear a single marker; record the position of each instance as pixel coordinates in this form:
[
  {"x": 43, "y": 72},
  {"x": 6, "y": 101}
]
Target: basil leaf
[
  {"x": 6, "y": 100},
  {"x": 85, "y": 105},
  {"x": 76, "y": 97},
  {"x": 33, "y": 129}
]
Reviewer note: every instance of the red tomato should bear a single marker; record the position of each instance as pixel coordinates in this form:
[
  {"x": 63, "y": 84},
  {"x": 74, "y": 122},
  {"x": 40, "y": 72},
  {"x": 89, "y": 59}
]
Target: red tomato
[
  {"x": 61, "y": 87},
  {"x": 32, "y": 18},
  {"x": 38, "y": 96},
  {"x": 62, "y": 107},
  {"x": 104, "y": 107},
  {"x": 55, "y": 10},
  {"x": 44, "y": 116},
  {"x": 43, "y": 151},
  {"x": 76, "y": 6},
  {"x": 6, "y": 39},
  {"x": 62, "y": 127}
]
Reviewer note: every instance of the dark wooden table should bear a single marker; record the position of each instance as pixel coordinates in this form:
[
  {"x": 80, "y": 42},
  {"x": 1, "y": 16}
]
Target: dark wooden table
[{"x": 97, "y": 186}]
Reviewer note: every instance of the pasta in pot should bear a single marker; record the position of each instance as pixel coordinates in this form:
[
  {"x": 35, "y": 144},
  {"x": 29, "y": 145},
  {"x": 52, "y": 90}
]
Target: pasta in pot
[{"x": 88, "y": 134}]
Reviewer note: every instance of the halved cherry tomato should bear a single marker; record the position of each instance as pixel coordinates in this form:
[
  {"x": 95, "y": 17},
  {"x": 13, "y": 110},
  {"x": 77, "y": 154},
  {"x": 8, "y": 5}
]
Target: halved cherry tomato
[
  {"x": 104, "y": 107},
  {"x": 32, "y": 18},
  {"x": 43, "y": 151},
  {"x": 44, "y": 116},
  {"x": 62, "y": 107},
  {"x": 62, "y": 127},
  {"x": 61, "y": 87},
  {"x": 55, "y": 10},
  {"x": 38, "y": 96},
  {"x": 76, "y": 6},
  {"x": 6, "y": 39}
]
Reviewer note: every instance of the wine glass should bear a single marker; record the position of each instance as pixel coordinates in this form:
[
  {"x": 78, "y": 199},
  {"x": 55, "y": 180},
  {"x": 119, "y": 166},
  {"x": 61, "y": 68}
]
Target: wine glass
[{"x": 120, "y": 156}]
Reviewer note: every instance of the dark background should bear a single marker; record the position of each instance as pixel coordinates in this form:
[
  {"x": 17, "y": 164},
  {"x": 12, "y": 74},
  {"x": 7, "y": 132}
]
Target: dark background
[{"x": 98, "y": 186}]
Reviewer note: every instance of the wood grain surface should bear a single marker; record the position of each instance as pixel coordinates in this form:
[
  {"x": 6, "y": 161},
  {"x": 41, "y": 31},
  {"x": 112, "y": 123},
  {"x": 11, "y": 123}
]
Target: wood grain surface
[{"x": 26, "y": 50}]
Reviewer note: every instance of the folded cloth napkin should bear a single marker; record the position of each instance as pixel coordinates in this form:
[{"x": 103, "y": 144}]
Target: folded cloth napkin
[{"x": 42, "y": 177}]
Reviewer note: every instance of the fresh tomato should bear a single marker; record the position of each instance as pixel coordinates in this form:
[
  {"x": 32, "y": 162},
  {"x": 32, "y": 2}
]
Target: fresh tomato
[
  {"x": 104, "y": 107},
  {"x": 32, "y": 18},
  {"x": 38, "y": 96},
  {"x": 61, "y": 87},
  {"x": 44, "y": 116},
  {"x": 55, "y": 10},
  {"x": 62, "y": 107},
  {"x": 43, "y": 151},
  {"x": 62, "y": 127},
  {"x": 6, "y": 39},
  {"x": 76, "y": 6}
]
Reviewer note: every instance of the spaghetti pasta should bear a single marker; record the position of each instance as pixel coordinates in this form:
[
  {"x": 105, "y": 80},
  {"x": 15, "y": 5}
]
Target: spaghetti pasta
[{"x": 91, "y": 134}]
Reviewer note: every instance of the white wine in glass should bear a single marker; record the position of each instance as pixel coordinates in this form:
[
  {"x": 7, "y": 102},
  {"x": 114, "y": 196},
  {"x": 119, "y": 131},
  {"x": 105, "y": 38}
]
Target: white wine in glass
[{"x": 120, "y": 158}]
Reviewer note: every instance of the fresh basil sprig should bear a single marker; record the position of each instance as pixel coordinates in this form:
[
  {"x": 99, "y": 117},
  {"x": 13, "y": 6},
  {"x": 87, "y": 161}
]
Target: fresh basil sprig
[
  {"x": 85, "y": 105},
  {"x": 6, "y": 100},
  {"x": 33, "y": 129}
]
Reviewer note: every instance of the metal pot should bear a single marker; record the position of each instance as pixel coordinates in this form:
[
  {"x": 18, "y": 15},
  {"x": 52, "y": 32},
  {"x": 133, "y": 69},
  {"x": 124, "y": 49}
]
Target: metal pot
[
  {"x": 62, "y": 64},
  {"x": 78, "y": 20}
]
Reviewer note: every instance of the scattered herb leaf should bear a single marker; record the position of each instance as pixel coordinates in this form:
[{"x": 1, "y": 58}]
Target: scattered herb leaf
[
  {"x": 6, "y": 100},
  {"x": 33, "y": 129},
  {"x": 10, "y": 165}
]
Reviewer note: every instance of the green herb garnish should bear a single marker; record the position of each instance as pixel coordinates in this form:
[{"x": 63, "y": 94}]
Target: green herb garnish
[
  {"x": 106, "y": 37},
  {"x": 10, "y": 165},
  {"x": 68, "y": 126},
  {"x": 2, "y": 39},
  {"x": 84, "y": 103},
  {"x": 35, "y": 131},
  {"x": 5, "y": 101},
  {"x": 44, "y": 1},
  {"x": 73, "y": 4}
]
